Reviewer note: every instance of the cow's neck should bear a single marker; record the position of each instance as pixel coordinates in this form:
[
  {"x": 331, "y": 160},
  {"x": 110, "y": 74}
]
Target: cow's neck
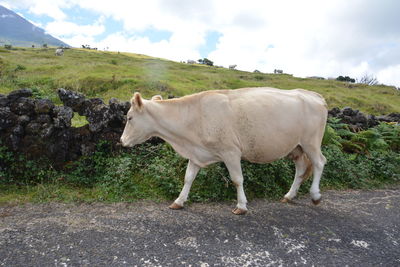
[{"x": 171, "y": 121}]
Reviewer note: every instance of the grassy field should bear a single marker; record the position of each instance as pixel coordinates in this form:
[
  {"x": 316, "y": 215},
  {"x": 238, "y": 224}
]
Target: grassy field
[
  {"x": 156, "y": 172},
  {"x": 111, "y": 74}
]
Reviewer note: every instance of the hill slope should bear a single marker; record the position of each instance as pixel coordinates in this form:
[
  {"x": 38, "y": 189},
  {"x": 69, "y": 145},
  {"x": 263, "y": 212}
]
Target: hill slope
[
  {"x": 17, "y": 31},
  {"x": 110, "y": 74}
]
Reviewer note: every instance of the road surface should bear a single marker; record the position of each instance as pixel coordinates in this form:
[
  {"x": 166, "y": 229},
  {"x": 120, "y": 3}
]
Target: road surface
[{"x": 348, "y": 228}]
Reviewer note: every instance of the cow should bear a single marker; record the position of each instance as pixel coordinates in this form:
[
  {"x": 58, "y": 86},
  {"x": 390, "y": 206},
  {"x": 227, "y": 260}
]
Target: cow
[
  {"x": 232, "y": 67},
  {"x": 59, "y": 52},
  {"x": 259, "y": 125},
  {"x": 190, "y": 61}
]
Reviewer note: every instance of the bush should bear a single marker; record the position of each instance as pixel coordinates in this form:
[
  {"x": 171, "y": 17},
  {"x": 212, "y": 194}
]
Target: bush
[
  {"x": 346, "y": 79},
  {"x": 18, "y": 170},
  {"x": 19, "y": 67},
  {"x": 206, "y": 61},
  {"x": 157, "y": 171}
]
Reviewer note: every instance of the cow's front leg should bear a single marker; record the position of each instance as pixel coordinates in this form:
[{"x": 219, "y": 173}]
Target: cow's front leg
[
  {"x": 191, "y": 172},
  {"x": 235, "y": 172}
]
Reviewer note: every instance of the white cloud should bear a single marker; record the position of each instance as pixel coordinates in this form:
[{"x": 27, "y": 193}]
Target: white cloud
[
  {"x": 51, "y": 8},
  {"x": 310, "y": 37},
  {"x": 174, "y": 49},
  {"x": 68, "y": 29},
  {"x": 390, "y": 75}
]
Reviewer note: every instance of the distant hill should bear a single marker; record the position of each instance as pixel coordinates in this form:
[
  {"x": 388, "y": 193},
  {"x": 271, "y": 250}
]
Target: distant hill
[
  {"x": 17, "y": 31},
  {"x": 107, "y": 75}
]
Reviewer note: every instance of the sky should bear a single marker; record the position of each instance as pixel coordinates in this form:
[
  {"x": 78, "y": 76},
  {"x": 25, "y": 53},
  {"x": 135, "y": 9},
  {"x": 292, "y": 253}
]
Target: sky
[{"x": 304, "y": 38}]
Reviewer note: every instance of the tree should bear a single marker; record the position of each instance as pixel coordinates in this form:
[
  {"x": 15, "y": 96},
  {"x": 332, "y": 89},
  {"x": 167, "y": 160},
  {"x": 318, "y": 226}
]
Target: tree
[
  {"x": 44, "y": 45},
  {"x": 206, "y": 61},
  {"x": 345, "y": 79},
  {"x": 368, "y": 79}
]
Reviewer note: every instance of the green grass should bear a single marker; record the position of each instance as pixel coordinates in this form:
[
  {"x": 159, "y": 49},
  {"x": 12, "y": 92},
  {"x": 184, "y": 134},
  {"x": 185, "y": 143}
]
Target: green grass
[{"x": 110, "y": 74}]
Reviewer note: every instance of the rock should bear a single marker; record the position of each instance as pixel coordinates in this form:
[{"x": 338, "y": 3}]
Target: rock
[
  {"x": 97, "y": 114},
  {"x": 395, "y": 117},
  {"x": 43, "y": 106},
  {"x": 347, "y": 111},
  {"x": 15, "y": 137},
  {"x": 334, "y": 112},
  {"x": 7, "y": 118},
  {"x": 18, "y": 130},
  {"x": 73, "y": 100},
  {"x": 47, "y": 130},
  {"x": 119, "y": 109},
  {"x": 43, "y": 118},
  {"x": 33, "y": 128},
  {"x": 23, "y": 106},
  {"x": 372, "y": 121},
  {"x": 14, "y": 95},
  {"x": 392, "y": 117},
  {"x": 23, "y": 120},
  {"x": 63, "y": 116},
  {"x": 3, "y": 100}
]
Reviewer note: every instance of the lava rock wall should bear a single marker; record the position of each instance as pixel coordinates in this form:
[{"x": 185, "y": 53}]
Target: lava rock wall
[{"x": 39, "y": 128}]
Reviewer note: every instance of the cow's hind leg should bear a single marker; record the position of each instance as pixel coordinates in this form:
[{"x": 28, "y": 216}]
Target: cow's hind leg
[
  {"x": 303, "y": 171},
  {"x": 318, "y": 161},
  {"x": 191, "y": 172},
  {"x": 235, "y": 172}
]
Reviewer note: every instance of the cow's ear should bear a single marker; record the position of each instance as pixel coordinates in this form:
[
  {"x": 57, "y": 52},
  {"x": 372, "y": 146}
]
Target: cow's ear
[
  {"x": 156, "y": 97},
  {"x": 137, "y": 101}
]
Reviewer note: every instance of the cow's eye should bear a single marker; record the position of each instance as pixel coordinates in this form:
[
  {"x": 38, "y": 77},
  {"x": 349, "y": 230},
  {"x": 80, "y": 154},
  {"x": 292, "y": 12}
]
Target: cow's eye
[{"x": 129, "y": 118}]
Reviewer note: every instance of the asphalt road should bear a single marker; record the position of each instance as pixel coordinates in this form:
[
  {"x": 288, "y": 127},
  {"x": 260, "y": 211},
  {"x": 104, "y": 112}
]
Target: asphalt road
[{"x": 351, "y": 228}]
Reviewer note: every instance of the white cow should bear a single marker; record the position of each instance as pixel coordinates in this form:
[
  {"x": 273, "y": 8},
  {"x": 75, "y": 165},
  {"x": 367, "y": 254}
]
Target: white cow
[
  {"x": 59, "y": 52},
  {"x": 256, "y": 124},
  {"x": 232, "y": 67}
]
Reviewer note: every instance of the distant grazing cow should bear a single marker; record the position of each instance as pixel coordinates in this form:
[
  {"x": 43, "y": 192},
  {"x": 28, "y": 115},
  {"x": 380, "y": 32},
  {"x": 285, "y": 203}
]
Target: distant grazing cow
[
  {"x": 256, "y": 124},
  {"x": 189, "y": 61},
  {"x": 59, "y": 52},
  {"x": 232, "y": 67},
  {"x": 278, "y": 71}
]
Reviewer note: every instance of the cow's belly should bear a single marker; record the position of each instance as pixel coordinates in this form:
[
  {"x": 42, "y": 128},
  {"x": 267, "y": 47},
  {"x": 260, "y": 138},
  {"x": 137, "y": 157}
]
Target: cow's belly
[
  {"x": 267, "y": 146},
  {"x": 264, "y": 153}
]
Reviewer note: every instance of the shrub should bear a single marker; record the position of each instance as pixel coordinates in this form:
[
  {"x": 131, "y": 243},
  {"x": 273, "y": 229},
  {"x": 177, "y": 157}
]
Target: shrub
[
  {"x": 19, "y": 67},
  {"x": 206, "y": 61},
  {"x": 17, "y": 169},
  {"x": 157, "y": 171},
  {"x": 346, "y": 79}
]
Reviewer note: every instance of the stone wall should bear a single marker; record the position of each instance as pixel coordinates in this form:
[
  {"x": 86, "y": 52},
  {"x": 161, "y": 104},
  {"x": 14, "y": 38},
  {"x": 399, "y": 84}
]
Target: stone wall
[
  {"x": 360, "y": 121},
  {"x": 37, "y": 127}
]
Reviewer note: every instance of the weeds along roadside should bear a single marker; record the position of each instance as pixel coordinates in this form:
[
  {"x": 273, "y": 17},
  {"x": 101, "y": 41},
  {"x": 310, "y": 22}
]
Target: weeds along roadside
[{"x": 364, "y": 160}]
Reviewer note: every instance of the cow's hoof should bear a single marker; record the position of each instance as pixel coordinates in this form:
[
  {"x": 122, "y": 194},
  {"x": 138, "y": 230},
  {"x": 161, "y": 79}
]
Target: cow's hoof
[
  {"x": 238, "y": 211},
  {"x": 175, "y": 206},
  {"x": 316, "y": 202},
  {"x": 286, "y": 200}
]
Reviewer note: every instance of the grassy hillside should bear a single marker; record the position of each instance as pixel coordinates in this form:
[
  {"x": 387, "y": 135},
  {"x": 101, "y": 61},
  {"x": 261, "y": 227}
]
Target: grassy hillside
[{"x": 111, "y": 74}]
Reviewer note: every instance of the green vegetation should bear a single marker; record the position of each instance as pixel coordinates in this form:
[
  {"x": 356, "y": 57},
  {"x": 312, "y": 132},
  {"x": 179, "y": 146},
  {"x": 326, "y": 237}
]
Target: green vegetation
[
  {"x": 368, "y": 159},
  {"x": 110, "y": 74}
]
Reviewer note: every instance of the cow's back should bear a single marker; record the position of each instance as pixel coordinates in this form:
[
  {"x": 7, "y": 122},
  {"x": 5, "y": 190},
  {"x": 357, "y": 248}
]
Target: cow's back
[{"x": 270, "y": 123}]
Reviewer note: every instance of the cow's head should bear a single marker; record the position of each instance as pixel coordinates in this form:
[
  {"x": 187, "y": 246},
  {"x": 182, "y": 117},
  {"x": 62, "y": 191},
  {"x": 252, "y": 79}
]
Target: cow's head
[{"x": 139, "y": 123}]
